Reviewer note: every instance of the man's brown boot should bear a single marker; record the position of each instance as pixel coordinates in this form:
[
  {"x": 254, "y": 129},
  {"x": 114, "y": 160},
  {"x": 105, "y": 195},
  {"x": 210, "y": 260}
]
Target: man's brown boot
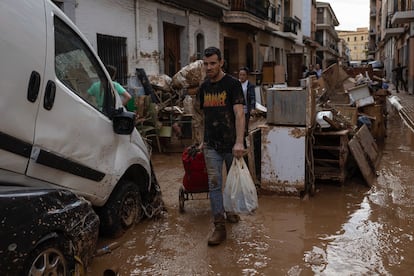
[
  {"x": 219, "y": 233},
  {"x": 232, "y": 217}
]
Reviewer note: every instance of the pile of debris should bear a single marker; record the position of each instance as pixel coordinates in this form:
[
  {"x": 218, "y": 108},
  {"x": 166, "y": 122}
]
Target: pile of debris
[
  {"x": 350, "y": 109},
  {"x": 173, "y": 100},
  {"x": 348, "y": 102}
]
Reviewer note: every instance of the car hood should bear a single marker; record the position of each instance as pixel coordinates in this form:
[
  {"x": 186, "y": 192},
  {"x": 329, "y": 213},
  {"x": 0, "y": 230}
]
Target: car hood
[
  {"x": 29, "y": 215},
  {"x": 26, "y": 209}
]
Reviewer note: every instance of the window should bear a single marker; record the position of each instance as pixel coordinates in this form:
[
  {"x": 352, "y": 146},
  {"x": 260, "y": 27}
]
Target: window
[
  {"x": 278, "y": 18},
  {"x": 113, "y": 51},
  {"x": 58, "y": 3},
  {"x": 78, "y": 69},
  {"x": 200, "y": 45},
  {"x": 362, "y": 38}
]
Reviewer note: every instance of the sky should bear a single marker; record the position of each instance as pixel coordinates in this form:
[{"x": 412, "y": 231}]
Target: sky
[{"x": 351, "y": 14}]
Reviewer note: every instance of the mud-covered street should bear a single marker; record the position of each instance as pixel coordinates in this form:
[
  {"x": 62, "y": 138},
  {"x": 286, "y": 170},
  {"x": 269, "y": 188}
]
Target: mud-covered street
[{"x": 342, "y": 230}]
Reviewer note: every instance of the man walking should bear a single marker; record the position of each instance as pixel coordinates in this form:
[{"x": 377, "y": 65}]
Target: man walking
[
  {"x": 221, "y": 99},
  {"x": 399, "y": 77},
  {"x": 249, "y": 96}
]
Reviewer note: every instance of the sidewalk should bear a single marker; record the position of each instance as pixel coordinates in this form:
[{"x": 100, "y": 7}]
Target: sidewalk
[{"x": 404, "y": 104}]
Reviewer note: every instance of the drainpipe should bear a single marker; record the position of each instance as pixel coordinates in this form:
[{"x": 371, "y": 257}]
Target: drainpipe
[{"x": 136, "y": 28}]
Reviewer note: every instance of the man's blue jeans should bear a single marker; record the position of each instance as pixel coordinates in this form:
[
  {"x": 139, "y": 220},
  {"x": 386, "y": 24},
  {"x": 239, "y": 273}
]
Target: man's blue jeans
[{"x": 214, "y": 164}]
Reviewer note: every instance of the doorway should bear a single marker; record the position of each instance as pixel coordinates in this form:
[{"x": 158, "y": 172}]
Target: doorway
[
  {"x": 172, "y": 55},
  {"x": 231, "y": 56},
  {"x": 294, "y": 68}
]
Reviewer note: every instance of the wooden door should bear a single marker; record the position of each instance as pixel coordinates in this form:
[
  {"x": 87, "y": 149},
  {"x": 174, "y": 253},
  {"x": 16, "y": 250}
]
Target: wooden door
[
  {"x": 171, "y": 49},
  {"x": 231, "y": 56},
  {"x": 294, "y": 68}
]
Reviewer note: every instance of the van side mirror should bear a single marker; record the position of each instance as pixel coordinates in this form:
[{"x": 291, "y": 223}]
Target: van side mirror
[{"x": 123, "y": 122}]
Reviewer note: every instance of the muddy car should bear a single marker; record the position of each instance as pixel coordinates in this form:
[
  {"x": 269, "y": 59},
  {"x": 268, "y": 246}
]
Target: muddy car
[{"x": 45, "y": 231}]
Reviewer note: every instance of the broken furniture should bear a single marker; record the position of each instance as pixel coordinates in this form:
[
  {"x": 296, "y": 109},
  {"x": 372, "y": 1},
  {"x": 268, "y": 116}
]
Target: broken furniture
[
  {"x": 273, "y": 73},
  {"x": 284, "y": 157},
  {"x": 330, "y": 153},
  {"x": 365, "y": 152},
  {"x": 147, "y": 120},
  {"x": 180, "y": 127}
]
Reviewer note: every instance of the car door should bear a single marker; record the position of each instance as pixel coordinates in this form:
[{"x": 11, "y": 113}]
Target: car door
[
  {"x": 74, "y": 143},
  {"x": 22, "y": 55}
]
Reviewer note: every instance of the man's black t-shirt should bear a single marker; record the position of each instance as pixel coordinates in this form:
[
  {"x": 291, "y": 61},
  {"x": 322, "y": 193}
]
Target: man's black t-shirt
[{"x": 217, "y": 100}]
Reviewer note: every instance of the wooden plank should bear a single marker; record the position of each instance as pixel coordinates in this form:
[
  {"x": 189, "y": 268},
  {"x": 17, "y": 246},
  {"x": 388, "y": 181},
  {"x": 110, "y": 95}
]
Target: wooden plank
[
  {"x": 250, "y": 157},
  {"x": 359, "y": 148},
  {"x": 368, "y": 144}
]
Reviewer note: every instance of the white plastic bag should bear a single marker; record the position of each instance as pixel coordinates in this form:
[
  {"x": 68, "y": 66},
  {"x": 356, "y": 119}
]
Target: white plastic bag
[{"x": 240, "y": 195}]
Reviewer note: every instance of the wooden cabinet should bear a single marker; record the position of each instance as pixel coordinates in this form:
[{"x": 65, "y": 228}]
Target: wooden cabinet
[
  {"x": 330, "y": 155},
  {"x": 273, "y": 73}
]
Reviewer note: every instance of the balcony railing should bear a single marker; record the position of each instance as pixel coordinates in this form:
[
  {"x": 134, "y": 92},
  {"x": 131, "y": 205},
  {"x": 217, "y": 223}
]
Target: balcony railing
[
  {"x": 291, "y": 25},
  {"x": 328, "y": 44},
  {"x": 210, "y": 7},
  {"x": 254, "y": 7},
  {"x": 401, "y": 17}
]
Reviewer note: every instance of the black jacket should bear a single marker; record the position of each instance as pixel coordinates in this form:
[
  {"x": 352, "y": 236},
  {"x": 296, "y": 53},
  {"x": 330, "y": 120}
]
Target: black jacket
[{"x": 250, "y": 97}]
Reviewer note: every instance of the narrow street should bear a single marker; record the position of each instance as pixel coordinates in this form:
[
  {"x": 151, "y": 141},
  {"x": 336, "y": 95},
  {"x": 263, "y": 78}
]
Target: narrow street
[
  {"x": 342, "y": 230},
  {"x": 87, "y": 85}
]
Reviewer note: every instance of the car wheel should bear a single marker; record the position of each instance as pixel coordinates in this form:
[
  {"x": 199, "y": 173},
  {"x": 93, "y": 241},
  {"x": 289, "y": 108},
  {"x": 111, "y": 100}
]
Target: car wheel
[
  {"x": 49, "y": 259},
  {"x": 122, "y": 210}
]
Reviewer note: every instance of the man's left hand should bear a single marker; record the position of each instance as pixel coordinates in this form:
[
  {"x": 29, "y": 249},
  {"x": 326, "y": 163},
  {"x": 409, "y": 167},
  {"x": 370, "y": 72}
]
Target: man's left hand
[{"x": 238, "y": 150}]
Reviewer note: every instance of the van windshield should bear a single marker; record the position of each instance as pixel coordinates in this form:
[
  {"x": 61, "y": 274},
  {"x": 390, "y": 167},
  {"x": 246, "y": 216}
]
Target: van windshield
[{"x": 78, "y": 69}]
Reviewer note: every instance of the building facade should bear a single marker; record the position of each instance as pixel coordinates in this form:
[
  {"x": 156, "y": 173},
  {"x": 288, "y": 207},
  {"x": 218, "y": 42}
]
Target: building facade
[
  {"x": 309, "y": 31},
  {"x": 391, "y": 36},
  {"x": 326, "y": 35},
  {"x": 163, "y": 36},
  {"x": 357, "y": 43}
]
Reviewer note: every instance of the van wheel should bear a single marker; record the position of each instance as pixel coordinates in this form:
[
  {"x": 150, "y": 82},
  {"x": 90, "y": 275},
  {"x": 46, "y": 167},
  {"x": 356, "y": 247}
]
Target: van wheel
[{"x": 122, "y": 210}]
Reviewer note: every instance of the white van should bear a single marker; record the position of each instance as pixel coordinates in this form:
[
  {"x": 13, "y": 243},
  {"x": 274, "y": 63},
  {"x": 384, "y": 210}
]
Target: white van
[{"x": 52, "y": 132}]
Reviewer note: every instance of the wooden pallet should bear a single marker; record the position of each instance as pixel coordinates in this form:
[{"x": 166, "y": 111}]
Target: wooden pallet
[{"x": 365, "y": 151}]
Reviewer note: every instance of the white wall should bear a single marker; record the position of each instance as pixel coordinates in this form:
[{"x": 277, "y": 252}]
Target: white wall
[
  {"x": 209, "y": 28},
  {"x": 117, "y": 18},
  {"x": 297, "y": 10},
  {"x": 148, "y": 45},
  {"x": 109, "y": 17},
  {"x": 306, "y": 18}
]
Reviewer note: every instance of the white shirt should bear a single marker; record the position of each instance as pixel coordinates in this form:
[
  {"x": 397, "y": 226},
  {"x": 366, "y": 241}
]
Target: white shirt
[{"x": 244, "y": 87}]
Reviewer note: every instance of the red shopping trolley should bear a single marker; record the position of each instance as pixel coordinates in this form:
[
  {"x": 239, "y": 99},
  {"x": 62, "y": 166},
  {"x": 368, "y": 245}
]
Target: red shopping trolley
[{"x": 195, "y": 179}]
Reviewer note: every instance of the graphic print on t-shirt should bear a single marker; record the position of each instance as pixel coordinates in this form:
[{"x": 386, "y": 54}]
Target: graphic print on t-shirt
[{"x": 215, "y": 99}]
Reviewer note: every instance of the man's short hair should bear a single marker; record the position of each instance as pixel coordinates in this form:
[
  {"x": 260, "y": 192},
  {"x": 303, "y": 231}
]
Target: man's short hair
[
  {"x": 111, "y": 70},
  {"x": 244, "y": 69},
  {"x": 208, "y": 52}
]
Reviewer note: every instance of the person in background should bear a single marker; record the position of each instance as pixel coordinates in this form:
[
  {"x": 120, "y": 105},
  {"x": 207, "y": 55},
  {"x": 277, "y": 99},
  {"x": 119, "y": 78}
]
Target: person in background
[
  {"x": 304, "y": 71},
  {"x": 311, "y": 71},
  {"x": 399, "y": 77},
  {"x": 249, "y": 96},
  {"x": 221, "y": 100},
  {"x": 95, "y": 89},
  {"x": 318, "y": 70}
]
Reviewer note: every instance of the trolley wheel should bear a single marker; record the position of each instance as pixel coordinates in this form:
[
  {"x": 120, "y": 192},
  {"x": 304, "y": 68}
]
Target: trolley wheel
[{"x": 181, "y": 199}]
